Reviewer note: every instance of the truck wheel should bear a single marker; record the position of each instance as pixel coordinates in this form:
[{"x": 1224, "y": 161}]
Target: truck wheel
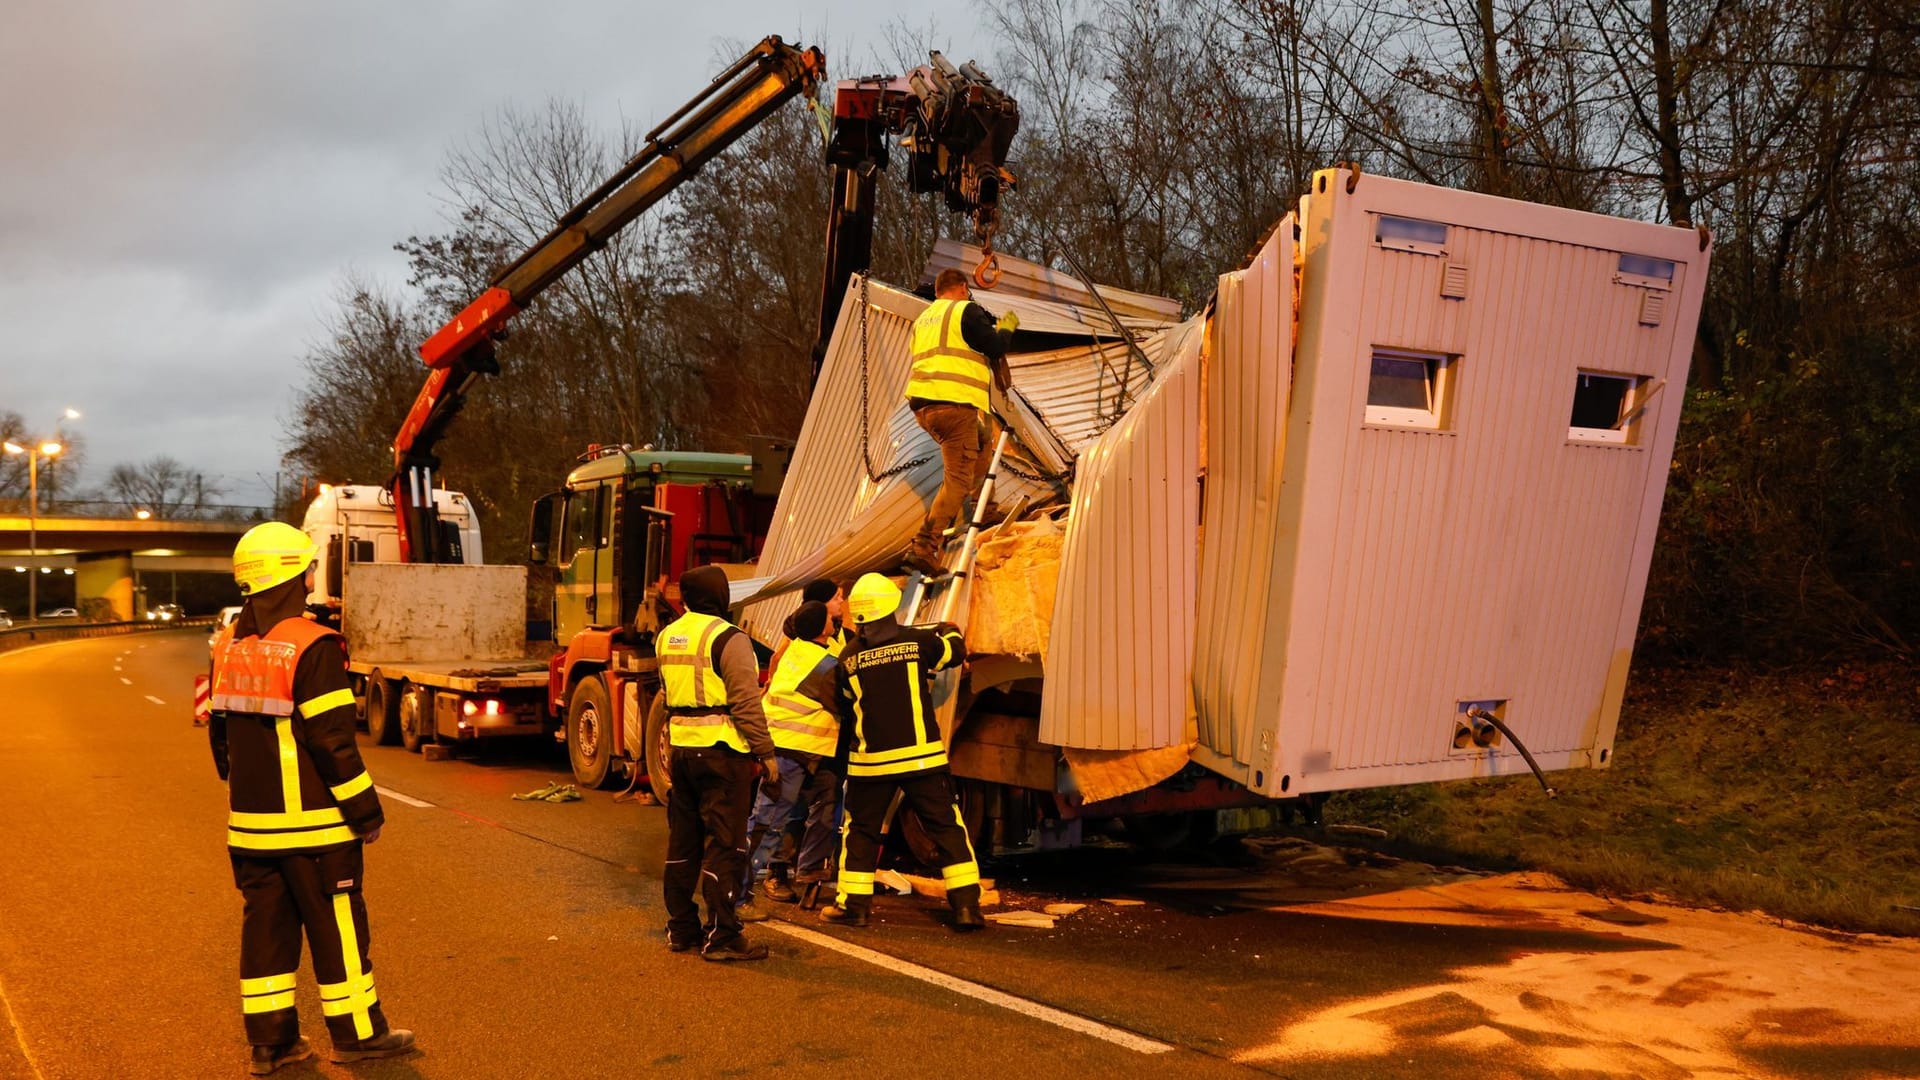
[
  {"x": 659, "y": 743},
  {"x": 416, "y": 719},
  {"x": 383, "y": 711},
  {"x": 590, "y": 746}
]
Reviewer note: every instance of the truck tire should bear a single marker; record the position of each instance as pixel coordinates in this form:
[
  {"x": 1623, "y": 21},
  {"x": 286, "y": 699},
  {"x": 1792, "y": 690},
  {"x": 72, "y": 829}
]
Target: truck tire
[
  {"x": 416, "y": 717},
  {"x": 659, "y": 744},
  {"x": 383, "y": 711},
  {"x": 590, "y": 748}
]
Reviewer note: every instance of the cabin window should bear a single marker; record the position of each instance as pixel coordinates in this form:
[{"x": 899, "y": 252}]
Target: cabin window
[
  {"x": 1411, "y": 234},
  {"x": 1645, "y": 271},
  {"x": 583, "y": 521},
  {"x": 1408, "y": 389},
  {"x": 1606, "y": 407}
]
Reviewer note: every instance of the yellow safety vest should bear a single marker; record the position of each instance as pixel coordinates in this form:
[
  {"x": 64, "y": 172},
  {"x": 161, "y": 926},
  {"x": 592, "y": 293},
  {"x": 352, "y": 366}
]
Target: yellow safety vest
[
  {"x": 796, "y": 721},
  {"x": 696, "y": 694},
  {"x": 944, "y": 368}
]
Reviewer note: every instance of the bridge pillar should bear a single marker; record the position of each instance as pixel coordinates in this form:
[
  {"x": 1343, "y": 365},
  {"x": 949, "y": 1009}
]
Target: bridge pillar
[{"x": 108, "y": 576}]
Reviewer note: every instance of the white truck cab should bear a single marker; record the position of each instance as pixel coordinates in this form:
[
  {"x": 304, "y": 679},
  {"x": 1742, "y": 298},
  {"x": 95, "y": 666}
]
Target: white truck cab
[{"x": 354, "y": 523}]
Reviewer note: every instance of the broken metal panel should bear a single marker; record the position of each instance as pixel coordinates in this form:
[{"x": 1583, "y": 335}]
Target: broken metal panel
[
  {"x": 1249, "y": 369},
  {"x": 1079, "y": 392},
  {"x": 1117, "y": 663},
  {"x": 1019, "y": 277}
]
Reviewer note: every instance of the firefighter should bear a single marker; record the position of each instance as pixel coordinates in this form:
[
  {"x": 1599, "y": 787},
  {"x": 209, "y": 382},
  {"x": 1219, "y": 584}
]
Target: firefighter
[
  {"x": 895, "y": 748},
  {"x": 711, "y": 681},
  {"x": 800, "y": 703},
  {"x": 958, "y": 349},
  {"x": 302, "y": 805}
]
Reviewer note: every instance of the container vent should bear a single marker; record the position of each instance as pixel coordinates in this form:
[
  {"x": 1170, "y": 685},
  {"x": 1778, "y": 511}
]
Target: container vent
[
  {"x": 1453, "y": 282},
  {"x": 1653, "y": 306}
]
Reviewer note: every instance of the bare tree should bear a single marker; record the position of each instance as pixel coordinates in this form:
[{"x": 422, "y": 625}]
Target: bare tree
[{"x": 164, "y": 488}]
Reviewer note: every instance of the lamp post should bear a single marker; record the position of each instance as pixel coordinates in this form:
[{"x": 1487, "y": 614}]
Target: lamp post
[{"x": 34, "y": 453}]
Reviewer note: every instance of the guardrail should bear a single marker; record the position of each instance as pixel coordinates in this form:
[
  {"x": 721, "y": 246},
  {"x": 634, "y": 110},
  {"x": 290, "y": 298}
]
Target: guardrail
[{"x": 21, "y": 636}]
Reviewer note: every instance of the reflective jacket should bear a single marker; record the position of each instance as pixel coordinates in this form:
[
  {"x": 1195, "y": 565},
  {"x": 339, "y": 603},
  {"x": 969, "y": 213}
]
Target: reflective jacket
[
  {"x": 688, "y": 650},
  {"x": 282, "y": 734},
  {"x": 886, "y": 684},
  {"x": 798, "y": 701},
  {"x": 945, "y": 367}
]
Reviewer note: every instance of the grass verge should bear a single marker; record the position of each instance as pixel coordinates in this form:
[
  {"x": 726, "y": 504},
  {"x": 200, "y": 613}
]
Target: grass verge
[{"x": 1796, "y": 794}]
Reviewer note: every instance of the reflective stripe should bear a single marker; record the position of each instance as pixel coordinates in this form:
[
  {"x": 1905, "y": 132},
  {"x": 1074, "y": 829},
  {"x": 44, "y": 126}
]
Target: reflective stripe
[
  {"x": 913, "y": 695},
  {"x": 341, "y": 998},
  {"x": 795, "y": 721},
  {"x": 267, "y": 1003},
  {"x": 362, "y": 1000},
  {"x": 934, "y": 760},
  {"x": 946, "y": 649},
  {"x": 267, "y": 984},
  {"x": 854, "y": 883},
  {"x": 343, "y": 792},
  {"x": 289, "y": 765},
  {"x": 305, "y": 819},
  {"x": 313, "y": 707},
  {"x": 252, "y": 703},
  {"x": 960, "y": 875},
  {"x": 285, "y": 841},
  {"x": 898, "y": 753}
]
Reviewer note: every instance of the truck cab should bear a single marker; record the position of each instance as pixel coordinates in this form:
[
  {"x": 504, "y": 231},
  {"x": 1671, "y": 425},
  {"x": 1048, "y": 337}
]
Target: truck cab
[
  {"x": 354, "y": 523},
  {"x": 625, "y": 522}
]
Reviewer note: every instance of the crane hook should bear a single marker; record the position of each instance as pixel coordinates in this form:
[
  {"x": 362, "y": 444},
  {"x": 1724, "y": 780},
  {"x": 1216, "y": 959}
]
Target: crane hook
[{"x": 987, "y": 273}]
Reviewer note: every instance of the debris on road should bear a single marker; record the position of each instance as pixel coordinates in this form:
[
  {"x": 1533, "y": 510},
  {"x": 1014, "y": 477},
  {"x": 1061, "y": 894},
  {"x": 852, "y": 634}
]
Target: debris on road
[
  {"x": 1063, "y": 910},
  {"x": 1033, "y": 919},
  {"x": 554, "y": 793},
  {"x": 1121, "y": 901}
]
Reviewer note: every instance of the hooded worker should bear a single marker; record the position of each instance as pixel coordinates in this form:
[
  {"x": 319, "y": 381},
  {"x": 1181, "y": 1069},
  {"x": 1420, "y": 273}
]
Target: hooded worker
[
  {"x": 896, "y": 747},
  {"x": 302, "y": 807},
  {"x": 711, "y": 682}
]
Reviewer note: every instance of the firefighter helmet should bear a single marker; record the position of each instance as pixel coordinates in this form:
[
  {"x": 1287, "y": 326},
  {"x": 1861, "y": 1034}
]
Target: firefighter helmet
[
  {"x": 874, "y": 596},
  {"x": 271, "y": 554}
]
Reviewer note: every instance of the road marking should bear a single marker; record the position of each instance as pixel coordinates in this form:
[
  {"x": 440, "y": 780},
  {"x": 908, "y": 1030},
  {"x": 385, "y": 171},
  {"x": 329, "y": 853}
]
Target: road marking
[
  {"x": 1118, "y": 1036},
  {"x": 19, "y": 1036},
  {"x": 397, "y": 797},
  {"x": 124, "y": 681},
  {"x": 155, "y": 700}
]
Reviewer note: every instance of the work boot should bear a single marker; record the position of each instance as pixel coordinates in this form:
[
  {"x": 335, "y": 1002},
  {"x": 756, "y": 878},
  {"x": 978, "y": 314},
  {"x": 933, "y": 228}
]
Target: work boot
[
  {"x": 922, "y": 564},
  {"x": 779, "y": 891},
  {"x": 843, "y": 916},
  {"x": 734, "y": 947},
  {"x": 682, "y": 942},
  {"x": 268, "y": 1058},
  {"x": 967, "y": 917},
  {"x": 392, "y": 1044},
  {"x": 748, "y": 911}
]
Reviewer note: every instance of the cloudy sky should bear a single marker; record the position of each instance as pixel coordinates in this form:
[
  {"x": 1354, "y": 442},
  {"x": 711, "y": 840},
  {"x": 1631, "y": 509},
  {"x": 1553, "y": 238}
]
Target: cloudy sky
[{"x": 182, "y": 184}]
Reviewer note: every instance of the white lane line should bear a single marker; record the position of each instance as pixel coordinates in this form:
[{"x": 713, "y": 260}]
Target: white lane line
[
  {"x": 20, "y": 1036},
  {"x": 1119, "y": 1037},
  {"x": 155, "y": 700},
  {"x": 397, "y": 797},
  {"x": 124, "y": 681}
]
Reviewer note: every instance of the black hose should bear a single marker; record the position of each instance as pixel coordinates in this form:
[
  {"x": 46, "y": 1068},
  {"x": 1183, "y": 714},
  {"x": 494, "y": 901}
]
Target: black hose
[{"x": 1482, "y": 714}]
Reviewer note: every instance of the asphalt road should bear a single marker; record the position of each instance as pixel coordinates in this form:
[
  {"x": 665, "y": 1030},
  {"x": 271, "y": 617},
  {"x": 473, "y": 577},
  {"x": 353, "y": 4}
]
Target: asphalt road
[{"x": 523, "y": 940}]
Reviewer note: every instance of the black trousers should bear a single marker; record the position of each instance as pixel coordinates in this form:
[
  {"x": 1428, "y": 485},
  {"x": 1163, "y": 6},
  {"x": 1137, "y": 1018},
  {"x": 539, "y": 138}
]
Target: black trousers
[
  {"x": 320, "y": 895},
  {"x": 707, "y": 814},
  {"x": 930, "y": 796}
]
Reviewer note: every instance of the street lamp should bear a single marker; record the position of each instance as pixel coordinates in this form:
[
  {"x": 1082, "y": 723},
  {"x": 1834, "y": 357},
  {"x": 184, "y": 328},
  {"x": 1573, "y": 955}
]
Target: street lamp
[
  {"x": 46, "y": 449},
  {"x": 143, "y": 514}
]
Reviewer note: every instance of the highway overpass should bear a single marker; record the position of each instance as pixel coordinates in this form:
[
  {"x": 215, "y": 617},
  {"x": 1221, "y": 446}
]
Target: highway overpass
[{"x": 106, "y": 556}]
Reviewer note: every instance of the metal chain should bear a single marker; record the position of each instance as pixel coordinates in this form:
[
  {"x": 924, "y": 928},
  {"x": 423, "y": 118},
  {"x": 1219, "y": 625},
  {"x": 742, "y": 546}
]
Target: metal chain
[{"x": 866, "y": 453}]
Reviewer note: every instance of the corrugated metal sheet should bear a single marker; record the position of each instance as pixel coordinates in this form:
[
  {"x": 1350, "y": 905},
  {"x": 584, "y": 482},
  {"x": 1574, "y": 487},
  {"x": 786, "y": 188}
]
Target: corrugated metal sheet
[
  {"x": 1080, "y": 392},
  {"x": 832, "y": 521},
  {"x": 1117, "y": 664},
  {"x": 1019, "y": 277},
  {"x": 1494, "y": 559},
  {"x": 1249, "y": 370}
]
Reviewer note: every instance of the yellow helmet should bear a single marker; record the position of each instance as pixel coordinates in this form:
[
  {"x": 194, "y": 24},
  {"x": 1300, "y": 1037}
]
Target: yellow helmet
[
  {"x": 874, "y": 596},
  {"x": 271, "y": 554}
]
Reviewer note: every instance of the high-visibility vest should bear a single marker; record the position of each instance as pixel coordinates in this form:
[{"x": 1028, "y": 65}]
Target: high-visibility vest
[
  {"x": 253, "y": 676},
  {"x": 837, "y": 642},
  {"x": 696, "y": 693},
  {"x": 944, "y": 367},
  {"x": 796, "y": 721}
]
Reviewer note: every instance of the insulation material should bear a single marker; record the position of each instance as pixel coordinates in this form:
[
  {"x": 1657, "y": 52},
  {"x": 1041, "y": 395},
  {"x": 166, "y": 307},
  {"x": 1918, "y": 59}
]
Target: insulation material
[
  {"x": 1109, "y": 774},
  {"x": 1014, "y": 578},
  {"x": 1117, "y": 669}
]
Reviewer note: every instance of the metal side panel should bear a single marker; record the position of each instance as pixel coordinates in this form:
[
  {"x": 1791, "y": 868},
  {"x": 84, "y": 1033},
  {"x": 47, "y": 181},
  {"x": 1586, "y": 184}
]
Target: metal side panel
[
  {"x": 1249, "y": 371},
  {"x": 426, "y": 612},
  {"x": 1122, "y": 641}
]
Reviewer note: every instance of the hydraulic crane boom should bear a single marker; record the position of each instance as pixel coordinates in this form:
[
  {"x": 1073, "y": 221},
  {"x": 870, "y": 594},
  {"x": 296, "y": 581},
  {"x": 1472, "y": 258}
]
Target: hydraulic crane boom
[
  {"x": 770, "y": 74},
  {"x": 955, "y": 125}
]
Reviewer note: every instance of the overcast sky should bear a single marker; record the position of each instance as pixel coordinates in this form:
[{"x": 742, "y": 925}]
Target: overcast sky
[{"x": 183, "y": 183}]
